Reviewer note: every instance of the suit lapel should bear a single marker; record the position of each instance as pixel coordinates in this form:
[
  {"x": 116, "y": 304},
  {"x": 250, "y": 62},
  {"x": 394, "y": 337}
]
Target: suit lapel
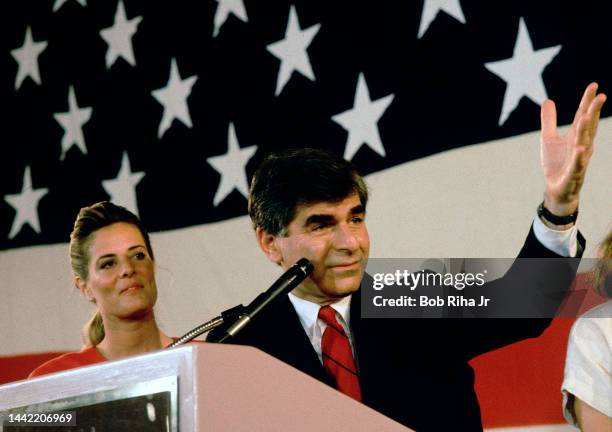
[
  {"x": 370, "y": 349},
  {"x": 289, "y": 342}
]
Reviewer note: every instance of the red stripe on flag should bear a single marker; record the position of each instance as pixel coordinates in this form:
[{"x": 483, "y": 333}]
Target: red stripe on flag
[{"x": 521, "y": 384}]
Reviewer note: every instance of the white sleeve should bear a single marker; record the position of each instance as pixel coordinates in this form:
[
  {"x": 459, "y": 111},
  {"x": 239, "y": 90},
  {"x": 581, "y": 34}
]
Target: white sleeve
[
  {"x": 564, "y": 243},
  {"x": 588, "y": 366}
]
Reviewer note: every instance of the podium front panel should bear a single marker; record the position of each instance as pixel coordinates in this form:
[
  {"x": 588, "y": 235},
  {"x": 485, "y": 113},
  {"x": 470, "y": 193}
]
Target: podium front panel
[{"x": 192, "y": 388}]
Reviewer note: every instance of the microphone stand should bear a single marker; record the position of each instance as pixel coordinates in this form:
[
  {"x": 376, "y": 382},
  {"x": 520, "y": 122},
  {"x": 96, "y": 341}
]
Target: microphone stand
[
  {"x": 240, "y": 315},
  {"x": 227, "y": 315}
]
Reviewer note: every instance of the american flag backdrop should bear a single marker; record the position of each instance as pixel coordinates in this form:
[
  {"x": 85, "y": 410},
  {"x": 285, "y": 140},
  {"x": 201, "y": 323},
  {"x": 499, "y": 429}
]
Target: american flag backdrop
[{"x": 167, "y": 108}]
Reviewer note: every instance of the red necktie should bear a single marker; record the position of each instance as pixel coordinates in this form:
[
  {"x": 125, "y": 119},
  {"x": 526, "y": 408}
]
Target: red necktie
[{"x": 337, "y": 355}]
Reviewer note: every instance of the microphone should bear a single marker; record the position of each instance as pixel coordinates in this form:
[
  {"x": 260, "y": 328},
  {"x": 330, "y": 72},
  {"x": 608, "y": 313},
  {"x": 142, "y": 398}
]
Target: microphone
[{"x": 285, "y": 283}]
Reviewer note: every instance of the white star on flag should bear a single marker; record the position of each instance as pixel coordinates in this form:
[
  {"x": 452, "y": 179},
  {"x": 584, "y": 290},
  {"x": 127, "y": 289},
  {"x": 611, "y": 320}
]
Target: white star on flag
[
  {"x": 122, "y": 189},
  {"x": 72, "y": 122},
  {"x": 361, "y": 120},
  {"x": 224, "y": 9},
  {"x": 27, "y": 59},
  {"x": 523, "y": 72},
  {"x": 232, "y": 167},
  {"x": 59, "y": 3},
  {"x": 173, "y": 97},
  {"x": 119, "y": 37},
  {"x": 26, "y": 204},
  {"x": 291, "y": 51},
  {"x": 431, "y": 9}
]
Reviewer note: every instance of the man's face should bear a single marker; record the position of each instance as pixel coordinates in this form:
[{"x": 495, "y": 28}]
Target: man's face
[{"x": 334, "y": 237}]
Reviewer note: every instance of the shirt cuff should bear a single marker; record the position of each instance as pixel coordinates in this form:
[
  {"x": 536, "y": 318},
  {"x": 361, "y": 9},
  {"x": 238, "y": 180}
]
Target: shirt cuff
[{"x": 564, "y": 243}]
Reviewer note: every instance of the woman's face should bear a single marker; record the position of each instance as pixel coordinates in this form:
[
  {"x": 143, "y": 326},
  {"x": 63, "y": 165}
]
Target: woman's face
[{"x": 121, "y": 277}]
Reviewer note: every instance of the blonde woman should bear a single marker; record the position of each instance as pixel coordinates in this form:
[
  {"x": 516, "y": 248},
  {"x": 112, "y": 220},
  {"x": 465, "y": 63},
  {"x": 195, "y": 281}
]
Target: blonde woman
[{"x": 113, "y": 265}]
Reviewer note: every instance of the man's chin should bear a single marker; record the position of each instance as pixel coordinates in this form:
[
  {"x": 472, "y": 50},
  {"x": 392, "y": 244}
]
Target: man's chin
[{"x": 344, "y": 289}]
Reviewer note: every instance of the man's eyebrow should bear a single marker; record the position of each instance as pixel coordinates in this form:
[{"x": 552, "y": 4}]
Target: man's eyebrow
[
  {"x": 358, "y": 209},
  {"x": 318, "y": 218},
  {"x": 326, "y": 218}
]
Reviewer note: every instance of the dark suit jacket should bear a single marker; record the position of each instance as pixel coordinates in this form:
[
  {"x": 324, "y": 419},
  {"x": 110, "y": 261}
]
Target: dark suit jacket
[{"x": 413, "y": 370}]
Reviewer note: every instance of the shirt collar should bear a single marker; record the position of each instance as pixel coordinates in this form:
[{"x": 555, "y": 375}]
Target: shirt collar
[{"x": 309, "y": 311}]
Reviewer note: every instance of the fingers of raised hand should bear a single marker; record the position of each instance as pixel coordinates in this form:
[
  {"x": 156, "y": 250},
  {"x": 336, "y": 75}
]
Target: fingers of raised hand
[
  {"x": 584, "y": 142},
  {"x": 594, "y": 110},
  {"x": 585, "y": 102},
  {"x": 587, "y": 122},
  {"x": 548, "y": 119}
]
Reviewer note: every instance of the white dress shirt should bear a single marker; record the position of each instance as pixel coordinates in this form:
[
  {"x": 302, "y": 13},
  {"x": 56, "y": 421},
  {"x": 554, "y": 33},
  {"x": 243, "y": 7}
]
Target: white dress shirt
[
  {"x": 564, "y": 243},
  {"x": 314, "y": 327}
]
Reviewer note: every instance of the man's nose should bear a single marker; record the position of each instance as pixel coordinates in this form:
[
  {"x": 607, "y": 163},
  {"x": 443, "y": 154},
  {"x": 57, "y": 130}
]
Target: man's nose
[{"x": 345, "y": 238}]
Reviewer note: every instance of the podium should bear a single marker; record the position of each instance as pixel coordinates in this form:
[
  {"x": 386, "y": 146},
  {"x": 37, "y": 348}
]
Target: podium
[{"x": 192, "y": 388}]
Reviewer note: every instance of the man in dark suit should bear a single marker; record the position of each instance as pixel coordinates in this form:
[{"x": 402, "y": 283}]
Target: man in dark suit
[{"x": 312, "y": 204}]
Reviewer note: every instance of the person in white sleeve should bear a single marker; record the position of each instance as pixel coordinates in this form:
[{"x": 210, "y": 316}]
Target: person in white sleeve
[{"x": 587, "y": 384}]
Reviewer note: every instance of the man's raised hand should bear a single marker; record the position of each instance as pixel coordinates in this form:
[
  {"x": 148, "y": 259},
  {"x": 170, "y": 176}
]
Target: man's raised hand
[{"x": 565, "y": 158}]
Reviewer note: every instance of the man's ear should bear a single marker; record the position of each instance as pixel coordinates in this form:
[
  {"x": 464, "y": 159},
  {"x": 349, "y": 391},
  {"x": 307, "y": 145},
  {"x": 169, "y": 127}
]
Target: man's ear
[{"x": 268, "y": 244}]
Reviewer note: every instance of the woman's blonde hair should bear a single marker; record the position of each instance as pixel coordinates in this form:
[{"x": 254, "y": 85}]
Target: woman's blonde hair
[
  {"x": 93, "y": 330},
  {"x": 89, "y": 220},
  {"x": 601, "y": 275}
]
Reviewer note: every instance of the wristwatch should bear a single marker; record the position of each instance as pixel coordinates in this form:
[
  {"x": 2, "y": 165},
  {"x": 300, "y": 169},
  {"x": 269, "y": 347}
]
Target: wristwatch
[{"x": 543, "y": 212}]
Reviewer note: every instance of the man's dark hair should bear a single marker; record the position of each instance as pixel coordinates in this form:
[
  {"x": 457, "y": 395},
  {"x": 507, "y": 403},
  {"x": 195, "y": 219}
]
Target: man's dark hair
[{"x": 295, "y": 177}]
